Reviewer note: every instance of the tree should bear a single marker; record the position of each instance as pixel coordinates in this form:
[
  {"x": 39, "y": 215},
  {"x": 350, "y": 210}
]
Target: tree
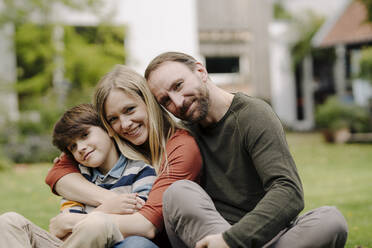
[{"x": 368, "y": 5}]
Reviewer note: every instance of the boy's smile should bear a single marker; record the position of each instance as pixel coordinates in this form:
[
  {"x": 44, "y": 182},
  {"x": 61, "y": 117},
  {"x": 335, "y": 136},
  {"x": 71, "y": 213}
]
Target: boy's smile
[{"x": 95, "y": 149}]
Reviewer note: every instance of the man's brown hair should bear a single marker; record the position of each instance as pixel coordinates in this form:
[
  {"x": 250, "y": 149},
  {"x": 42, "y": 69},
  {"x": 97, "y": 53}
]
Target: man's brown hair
[
  {"x": 183, "y": 58},
  {"x": 74, "y": 123}
]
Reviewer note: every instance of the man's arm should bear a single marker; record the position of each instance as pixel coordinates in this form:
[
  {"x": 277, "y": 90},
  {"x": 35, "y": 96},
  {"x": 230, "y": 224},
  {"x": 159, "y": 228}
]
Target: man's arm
[{"x": 266, "y": 144}]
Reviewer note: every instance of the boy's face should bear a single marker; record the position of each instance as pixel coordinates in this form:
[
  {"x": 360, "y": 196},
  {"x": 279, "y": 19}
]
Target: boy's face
[{"x": 93, "y": 148}]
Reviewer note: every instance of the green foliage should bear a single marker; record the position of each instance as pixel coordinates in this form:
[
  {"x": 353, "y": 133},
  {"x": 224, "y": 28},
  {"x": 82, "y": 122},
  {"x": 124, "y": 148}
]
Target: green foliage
[
  {"x": 307, "y": 29},
  {"x": 19, "y": 12},
  {"x": 280, "y": 13},
  {"x": 368, "y": 5},
  {"x": 34, "y": 52},
  {"x": 366, "y": 64},
  {"x": 334, "y": 114},
  {"x": 91, "y": 52}
]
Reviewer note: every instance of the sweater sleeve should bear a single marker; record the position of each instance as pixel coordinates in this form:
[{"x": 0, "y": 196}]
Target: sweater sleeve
[
  {"x": 266, "y": 143},
  {"x": 64, "y": 166},
  {"x": 184, "y": 162}
]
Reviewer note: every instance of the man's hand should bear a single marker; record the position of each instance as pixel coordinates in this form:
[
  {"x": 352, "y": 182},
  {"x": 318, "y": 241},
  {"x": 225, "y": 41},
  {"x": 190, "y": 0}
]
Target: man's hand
[
  {"x": 212, "y": 241},
  {"x": 62, "y": 224},
  {"x": 121, "y": 204}
]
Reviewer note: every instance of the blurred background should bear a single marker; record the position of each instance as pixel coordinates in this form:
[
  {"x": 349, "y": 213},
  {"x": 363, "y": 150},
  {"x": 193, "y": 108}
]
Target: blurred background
[{"x": 311, "y": 60}]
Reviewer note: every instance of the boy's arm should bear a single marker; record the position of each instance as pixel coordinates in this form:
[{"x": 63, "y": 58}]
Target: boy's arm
[{"x": 65, "y": 179}]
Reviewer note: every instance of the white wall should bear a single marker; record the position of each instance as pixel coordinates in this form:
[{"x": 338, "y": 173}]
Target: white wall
[
  {"x": 283, "y": 97},
  {"x": 153, "y": 26}
]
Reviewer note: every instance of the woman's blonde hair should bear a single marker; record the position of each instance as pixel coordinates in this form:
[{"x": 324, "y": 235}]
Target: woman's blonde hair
[{"x": 161, "y": 125}]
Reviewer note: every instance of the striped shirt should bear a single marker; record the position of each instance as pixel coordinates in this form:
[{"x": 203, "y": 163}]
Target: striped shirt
[{"x": 127, "y": 176}]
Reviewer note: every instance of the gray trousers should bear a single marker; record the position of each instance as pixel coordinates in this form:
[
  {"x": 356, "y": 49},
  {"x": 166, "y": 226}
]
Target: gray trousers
[{"x": 190, "y": 215}]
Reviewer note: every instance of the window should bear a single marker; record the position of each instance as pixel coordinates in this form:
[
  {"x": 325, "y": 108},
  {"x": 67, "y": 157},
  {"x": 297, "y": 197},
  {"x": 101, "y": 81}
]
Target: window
[{"x": 222, "y": 64}]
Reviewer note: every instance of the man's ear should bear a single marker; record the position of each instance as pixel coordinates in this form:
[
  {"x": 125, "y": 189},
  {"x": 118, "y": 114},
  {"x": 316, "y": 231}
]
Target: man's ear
[{"x": 202, "y": 71}]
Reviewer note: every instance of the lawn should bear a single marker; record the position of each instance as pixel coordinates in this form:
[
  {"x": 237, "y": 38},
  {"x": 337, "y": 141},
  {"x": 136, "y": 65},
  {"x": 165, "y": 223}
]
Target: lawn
[{"x": 338, "y": 175}]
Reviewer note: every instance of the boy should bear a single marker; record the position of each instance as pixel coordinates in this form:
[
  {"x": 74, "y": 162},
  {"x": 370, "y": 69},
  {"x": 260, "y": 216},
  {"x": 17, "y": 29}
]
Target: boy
[{"x": 80, "y": 133}]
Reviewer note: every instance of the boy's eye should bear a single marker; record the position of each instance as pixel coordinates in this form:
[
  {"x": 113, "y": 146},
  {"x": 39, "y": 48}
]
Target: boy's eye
[{"x": 72, "y": 147}]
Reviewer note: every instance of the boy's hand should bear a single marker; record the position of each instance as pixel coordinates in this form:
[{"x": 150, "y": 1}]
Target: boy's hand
[{"x": 121, "y": 204}]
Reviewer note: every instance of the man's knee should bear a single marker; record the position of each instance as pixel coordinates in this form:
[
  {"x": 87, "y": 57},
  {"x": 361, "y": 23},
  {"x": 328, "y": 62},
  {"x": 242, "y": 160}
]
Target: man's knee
[
  {"x": 335, "y": 223},
  {"x": 180, "y": 198}
]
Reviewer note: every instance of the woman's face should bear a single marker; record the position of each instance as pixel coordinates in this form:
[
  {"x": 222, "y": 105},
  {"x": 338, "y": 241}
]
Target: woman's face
[{"x": 127, "y": 115}]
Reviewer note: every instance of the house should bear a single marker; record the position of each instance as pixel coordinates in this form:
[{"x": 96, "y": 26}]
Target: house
[
  {"x": 231, "y": 37},
  {"x": 344, "y": 35}
]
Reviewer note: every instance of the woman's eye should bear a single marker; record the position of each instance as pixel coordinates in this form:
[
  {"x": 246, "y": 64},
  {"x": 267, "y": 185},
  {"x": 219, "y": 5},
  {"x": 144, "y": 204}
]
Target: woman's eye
[
  {"x": 130, "y": 109},
  {"x": 112, "y": 119}
]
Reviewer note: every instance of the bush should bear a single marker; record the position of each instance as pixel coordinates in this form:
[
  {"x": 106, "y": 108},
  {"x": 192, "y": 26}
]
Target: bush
[
  {"x": 31, "y": 149},
  {"x": 366, "y": 64},
  {"x": 334, "y": 115}
]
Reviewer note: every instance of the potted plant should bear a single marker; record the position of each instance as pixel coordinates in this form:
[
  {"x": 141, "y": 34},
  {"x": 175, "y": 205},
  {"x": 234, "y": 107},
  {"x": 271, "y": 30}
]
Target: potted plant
[{"x": 338, "y": 120}]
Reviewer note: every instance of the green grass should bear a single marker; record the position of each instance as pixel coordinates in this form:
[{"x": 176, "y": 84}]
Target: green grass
[
  {"x": 338, "y": 175},
  {"x": 23, "y": 190}
]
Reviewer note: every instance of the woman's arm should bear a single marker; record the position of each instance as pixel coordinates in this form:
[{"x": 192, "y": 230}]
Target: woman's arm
[
  {"x": 75, "y": 187},
  {"x": 135, "y": 224}
]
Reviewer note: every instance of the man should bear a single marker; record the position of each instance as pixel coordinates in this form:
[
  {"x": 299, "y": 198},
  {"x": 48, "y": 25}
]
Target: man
[{"x": 253, "y": 193}]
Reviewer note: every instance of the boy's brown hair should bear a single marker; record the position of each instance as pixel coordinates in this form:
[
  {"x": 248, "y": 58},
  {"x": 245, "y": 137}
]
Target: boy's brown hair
[{"x": 73, "y": 124}]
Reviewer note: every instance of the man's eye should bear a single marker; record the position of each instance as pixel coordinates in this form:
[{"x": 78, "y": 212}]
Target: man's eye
[{"x": 178, "y": 85}]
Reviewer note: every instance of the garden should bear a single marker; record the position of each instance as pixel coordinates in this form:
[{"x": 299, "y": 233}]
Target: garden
[{"x": 332, "y": 174}]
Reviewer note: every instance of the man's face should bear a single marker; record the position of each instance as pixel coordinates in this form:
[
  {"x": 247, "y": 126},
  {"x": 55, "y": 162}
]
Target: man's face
[{"x": 181, "y": 91}]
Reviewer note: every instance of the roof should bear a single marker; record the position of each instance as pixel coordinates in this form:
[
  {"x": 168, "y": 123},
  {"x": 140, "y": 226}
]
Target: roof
[{"x": 348, "y": 26}]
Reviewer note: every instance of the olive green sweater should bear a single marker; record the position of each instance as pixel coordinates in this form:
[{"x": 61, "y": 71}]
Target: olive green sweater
[{"x": 249, "y": 172}]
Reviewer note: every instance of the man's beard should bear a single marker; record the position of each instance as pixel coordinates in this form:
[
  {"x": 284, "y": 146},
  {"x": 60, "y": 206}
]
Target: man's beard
[{"x": 201, "y": 109}]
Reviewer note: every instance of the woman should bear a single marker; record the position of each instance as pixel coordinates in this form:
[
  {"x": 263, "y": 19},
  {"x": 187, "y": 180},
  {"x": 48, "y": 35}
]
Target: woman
[{"x": 143, "y": 131}]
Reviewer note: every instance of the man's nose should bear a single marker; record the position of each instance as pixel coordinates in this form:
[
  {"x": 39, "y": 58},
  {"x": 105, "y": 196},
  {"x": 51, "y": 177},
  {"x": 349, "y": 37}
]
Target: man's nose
[{"x": 177, "y": 100}]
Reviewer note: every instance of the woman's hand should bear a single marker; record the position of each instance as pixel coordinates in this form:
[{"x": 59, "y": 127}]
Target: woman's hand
[{"x": 121, "y": 204}]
